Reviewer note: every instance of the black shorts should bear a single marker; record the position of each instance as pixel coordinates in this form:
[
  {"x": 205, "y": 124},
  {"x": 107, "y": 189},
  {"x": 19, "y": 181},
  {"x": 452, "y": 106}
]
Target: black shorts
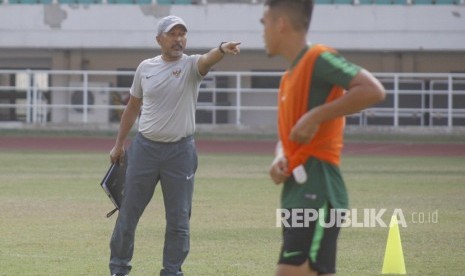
[{"x": 314, "y": 243}]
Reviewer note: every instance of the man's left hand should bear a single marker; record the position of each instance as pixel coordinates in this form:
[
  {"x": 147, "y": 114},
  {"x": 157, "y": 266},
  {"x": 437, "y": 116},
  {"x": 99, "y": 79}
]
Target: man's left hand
[{"x": 304, "y": 129}]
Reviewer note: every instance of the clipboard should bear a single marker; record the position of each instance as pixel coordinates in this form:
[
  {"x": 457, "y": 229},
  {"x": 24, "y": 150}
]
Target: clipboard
[{"x": 113, "y": 185}]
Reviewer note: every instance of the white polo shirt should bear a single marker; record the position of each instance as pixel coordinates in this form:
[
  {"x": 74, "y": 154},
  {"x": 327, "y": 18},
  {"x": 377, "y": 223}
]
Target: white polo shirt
[{"x": 169, "y": 92}]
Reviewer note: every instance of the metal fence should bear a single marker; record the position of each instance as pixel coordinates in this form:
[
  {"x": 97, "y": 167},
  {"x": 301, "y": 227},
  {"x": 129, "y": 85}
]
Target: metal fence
[
  {"x": 130, "y": 2},
  {"x": 48, "y": 97},
  {"x": 206, "y": 2}
]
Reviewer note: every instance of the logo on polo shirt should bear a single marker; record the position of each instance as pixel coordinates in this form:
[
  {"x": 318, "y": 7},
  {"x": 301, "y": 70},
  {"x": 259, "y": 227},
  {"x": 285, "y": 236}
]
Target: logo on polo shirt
[{"x": 177, "y": 72}]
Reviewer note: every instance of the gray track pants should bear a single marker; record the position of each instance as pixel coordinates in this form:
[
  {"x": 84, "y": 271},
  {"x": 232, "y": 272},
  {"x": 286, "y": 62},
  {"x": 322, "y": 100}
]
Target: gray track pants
[{"x": 174, "y": 165}]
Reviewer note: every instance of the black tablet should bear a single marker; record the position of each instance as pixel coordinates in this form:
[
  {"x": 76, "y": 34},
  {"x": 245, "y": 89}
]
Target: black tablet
[{"x": 113, "y": 184}]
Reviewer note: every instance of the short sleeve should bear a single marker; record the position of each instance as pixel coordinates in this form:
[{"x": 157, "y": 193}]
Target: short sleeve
[
  {"x": 195, "y": 67},
  {"x": 136, "y": 88},
  {"x": 335, "y": 69}
]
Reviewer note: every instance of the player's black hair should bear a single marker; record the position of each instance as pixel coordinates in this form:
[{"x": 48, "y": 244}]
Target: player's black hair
[{"x": 300, "y": 11}]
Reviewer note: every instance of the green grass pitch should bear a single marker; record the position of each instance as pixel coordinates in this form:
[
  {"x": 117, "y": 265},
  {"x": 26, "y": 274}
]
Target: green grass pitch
[{"x": 52, "y": 218}]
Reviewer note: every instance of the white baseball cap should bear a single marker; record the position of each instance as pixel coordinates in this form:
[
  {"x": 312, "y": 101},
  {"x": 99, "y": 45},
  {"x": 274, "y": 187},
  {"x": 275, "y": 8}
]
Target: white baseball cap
[{"x": 167, "y": 23}]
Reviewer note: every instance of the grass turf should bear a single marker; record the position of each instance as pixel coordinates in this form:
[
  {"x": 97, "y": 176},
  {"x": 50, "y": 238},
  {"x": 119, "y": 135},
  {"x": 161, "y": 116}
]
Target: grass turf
[{"x": 53, "y": 216}]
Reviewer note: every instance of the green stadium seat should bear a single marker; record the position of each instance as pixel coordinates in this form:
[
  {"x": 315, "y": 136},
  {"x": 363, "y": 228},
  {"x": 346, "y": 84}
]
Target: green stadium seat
[
  {"x": 423, "y": 2},
  {"x": 174, "y": 2},
  {"x": 30, "y": 1},
  {"x": 365, "y": 2},
  {"x": 447, "y": 2},
  {"x": 120, "y": 1},
  {"x": 343, "y": 2},
  {"x": 84, "y": 2},
  {"x": 134, "y": 2},
  {"x": 383, "y": 2},
  {"x": 390, "y": 2},
  {"x": 324, "y": 2}
]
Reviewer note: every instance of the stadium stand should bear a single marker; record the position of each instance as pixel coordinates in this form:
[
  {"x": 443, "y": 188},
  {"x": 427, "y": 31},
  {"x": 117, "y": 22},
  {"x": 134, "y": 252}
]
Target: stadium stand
[
  {"x": 344, "y": 2},
  {"x": 364, "y": 2},
  {"x": 174, "y": 2},
  {"x": 80, "y": 1},
  {"x": 206, "y": 2},
  {"x": 390, "y": 2},
  {"x": 30, "y": 1},
  {"x": 436, "y": 2},
  {"x": 136, "y": 2}
]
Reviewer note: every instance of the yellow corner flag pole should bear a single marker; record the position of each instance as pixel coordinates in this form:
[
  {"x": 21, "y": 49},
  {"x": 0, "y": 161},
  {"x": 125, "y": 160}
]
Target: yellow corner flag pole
[{"x": 394, "y": 256}]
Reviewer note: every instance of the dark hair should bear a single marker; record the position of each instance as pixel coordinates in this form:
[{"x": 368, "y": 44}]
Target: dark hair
[{"x": 300, "y": 11}]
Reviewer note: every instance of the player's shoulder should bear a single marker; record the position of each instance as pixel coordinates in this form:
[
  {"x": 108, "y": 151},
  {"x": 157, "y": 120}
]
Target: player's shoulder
[
  {"x": 327, "y": 54},
  {"x": 151, "y": 61},
  {"x": 323, "y": 49},
  {"x": 191, "y": 58},
  {"x": 189, "y": 61}
]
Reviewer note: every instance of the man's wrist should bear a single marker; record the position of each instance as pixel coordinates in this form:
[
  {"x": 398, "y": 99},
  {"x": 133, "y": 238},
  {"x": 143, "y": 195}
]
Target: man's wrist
[
  {"x": 278, "y": 158},
  {"x": 221, "y": 49}
]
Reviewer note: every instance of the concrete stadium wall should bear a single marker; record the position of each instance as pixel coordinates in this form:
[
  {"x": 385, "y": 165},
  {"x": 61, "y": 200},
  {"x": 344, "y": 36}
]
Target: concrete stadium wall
[
  {"x": 381, "y": 38},
  {"x": 346, "y": 27}
]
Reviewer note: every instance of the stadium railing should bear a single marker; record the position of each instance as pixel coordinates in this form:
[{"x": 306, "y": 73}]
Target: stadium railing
[
  {"x": 206, "y": 2},
  {"x": 240, "y": 98}
]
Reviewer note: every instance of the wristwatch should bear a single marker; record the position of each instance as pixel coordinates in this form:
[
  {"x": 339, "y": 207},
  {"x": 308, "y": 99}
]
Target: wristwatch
[{"x": 221, "y": 49}]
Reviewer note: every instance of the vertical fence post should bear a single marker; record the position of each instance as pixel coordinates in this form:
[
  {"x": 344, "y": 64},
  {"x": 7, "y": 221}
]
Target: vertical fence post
[
  {"x": 431, "y": 103},
  {"x": 85, "y": 96},
  {"x": 215, "y": 101},
  {"x": 422, "y": 110},
  {"x": 238, "y": 99},
  {"x": 34, "y": 98},
  {"x": 449, "y": 101},
  {"x": 29, "y": 104},
  {"x": 396, "y": 100}
]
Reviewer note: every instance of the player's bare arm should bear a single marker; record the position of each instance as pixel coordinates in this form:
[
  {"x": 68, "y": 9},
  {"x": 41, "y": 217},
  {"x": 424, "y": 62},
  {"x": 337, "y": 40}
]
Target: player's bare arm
[
  {"x": 279, "y": 167},
  {"x": 364, "y": 91},
  {"x": 127, "y": 121},
  {"x": 216, "y": 54}
]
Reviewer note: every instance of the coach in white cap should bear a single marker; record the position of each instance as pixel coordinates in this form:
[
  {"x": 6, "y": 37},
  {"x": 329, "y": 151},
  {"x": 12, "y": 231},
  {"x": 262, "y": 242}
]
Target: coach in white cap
[
  {"x": 164, "y": 92},
  {"x": 167, "y": 23}
]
